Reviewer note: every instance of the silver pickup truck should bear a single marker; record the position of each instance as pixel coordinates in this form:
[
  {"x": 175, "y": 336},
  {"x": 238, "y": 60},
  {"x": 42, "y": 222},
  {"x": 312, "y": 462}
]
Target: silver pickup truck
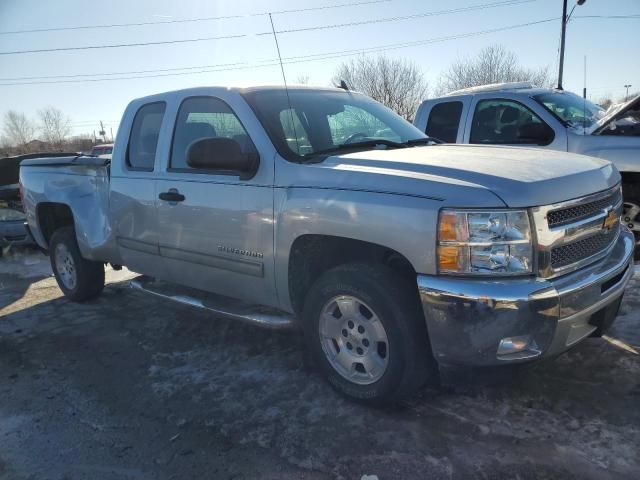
[
  {"x": 520, "y": 114},
  {"x": 323, "y": 209}
]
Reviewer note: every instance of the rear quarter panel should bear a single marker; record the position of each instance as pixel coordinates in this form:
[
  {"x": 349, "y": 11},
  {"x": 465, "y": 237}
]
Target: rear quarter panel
[{"x": 85, "y": 190}]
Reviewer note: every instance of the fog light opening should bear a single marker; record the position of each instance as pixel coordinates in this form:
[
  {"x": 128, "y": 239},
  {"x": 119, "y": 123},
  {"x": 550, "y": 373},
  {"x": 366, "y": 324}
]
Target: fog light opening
[{"x": 520, "y": 347}]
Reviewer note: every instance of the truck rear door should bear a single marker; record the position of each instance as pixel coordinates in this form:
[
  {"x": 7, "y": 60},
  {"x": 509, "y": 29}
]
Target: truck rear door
[
  {"x": 444, "y": 118},
  {"x": 216, "y": 229},
  {"x": 132, "y": 193}
]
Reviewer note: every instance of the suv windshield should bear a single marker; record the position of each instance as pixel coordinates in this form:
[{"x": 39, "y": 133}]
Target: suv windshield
[
  {"x": 575, "y": 111},
  {"x": 322, "y": 121}
]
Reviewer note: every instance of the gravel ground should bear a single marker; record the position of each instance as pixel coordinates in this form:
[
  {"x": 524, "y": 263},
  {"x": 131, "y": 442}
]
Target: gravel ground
[{"x": 132, "y": 387}]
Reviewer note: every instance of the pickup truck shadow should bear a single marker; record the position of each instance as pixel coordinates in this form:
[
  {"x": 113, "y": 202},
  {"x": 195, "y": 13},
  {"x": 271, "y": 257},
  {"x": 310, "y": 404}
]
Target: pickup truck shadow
[
  {"x": 20, "y": 267},
  {"x": 167, "y": 379}
]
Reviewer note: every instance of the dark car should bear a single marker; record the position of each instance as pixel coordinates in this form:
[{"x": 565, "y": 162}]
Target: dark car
[{"x": 13, "y": 230}]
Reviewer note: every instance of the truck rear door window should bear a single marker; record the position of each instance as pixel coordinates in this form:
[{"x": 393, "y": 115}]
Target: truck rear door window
[
  {"x": 145, "y": 132},
  {"x": 444, "y": 120},
  {"x": 205, "y": 117}
]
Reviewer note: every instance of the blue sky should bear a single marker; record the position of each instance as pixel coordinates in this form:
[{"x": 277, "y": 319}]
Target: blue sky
[{"x": 609, "y": 44}]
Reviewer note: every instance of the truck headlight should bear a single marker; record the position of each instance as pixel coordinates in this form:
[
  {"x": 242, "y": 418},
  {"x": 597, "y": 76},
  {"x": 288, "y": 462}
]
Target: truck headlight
[{"x": 481, "y": 242}]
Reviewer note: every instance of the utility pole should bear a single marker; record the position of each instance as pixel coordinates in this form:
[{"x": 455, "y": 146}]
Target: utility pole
[
  {"x": 627, "y": 95},
  {"x": 565, "y": 19},
  {"x": 102, "y": 132},
  {"x": 584, "y": 88}
]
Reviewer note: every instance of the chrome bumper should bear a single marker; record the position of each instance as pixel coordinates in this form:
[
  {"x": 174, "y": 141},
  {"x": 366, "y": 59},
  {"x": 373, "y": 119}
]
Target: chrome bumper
[{"x": 467, "y": 318}]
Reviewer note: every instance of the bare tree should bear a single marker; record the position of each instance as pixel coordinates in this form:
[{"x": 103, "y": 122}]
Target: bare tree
[
  {"x": 55, "y": 126},
  {"x": 399, "y": 84},
  {"x": 302, "y": 79},
  {"x": 18, "y": 130},
  {"x": 604, "y": 102},
  {"x": 494, "y": 64}
]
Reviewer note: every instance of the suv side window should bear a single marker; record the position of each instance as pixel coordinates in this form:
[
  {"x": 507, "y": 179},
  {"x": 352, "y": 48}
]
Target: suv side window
[
  {"x": 508, "y": 122},
  {"x": 205, "y": 117},
  {"x": 145, "y": 132},
  {"x": 444, "y": 120}
]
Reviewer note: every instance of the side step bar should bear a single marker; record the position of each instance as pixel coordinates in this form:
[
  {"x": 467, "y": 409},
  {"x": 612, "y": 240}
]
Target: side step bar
[{"x": 223, "y": 306}]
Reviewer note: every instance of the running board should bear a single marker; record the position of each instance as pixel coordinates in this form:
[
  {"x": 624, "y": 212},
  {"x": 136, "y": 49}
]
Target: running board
[{"x": 266, "y": 317}]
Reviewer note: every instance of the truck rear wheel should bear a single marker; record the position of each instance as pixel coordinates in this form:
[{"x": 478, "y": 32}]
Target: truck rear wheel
[
  {"x": 366, "y": 332},
  {"x": 78, "y": 278}
]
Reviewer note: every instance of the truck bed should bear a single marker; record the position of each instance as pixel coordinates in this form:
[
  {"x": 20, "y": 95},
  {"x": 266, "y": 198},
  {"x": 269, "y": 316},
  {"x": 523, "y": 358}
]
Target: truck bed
[
  {"x": 59, "y": 183},
  {"x": 65, "y": 161}
]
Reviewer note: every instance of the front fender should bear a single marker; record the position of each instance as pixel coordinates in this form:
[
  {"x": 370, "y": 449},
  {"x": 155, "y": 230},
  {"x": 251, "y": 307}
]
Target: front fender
[{"x": 406, "y": 224}]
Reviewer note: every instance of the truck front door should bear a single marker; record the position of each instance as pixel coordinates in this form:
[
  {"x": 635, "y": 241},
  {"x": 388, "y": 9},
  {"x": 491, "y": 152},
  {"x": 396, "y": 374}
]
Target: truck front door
[
  {"x": 216, "y": 229},
  {"x": 506, "y": 121}
]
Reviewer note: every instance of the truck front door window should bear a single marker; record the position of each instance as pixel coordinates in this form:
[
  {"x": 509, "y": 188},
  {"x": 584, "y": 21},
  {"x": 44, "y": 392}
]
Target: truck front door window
[
  {"x": 444, "y": 120},
  {"x": 205, "y": 117},
  {"x": 141, "y": 151},
  {"x": 508, "y": 122}
]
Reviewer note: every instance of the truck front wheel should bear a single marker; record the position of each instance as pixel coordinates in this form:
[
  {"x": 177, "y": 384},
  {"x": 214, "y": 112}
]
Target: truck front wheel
[
  {"x": 366, "y": 332},
  {"x": 78, "y": 278}
]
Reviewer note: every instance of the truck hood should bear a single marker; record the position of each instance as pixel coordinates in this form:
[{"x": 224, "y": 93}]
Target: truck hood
[
  {"x": 616, "y": 112},
  {"x": 520, "y": 177}
]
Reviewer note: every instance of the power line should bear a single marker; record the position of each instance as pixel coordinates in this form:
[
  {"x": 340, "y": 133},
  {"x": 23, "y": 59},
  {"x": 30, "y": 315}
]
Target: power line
[
  {"x": 306, "y": 58},
  {"x": 120, "y": 45},
  {"x": 236, "y": 36},
  {"x": 504, "y": 3},
  {"x": 615, "y": 17},
  {"x": 79, "y": 75},
  {"x": 188, "y": 20}
]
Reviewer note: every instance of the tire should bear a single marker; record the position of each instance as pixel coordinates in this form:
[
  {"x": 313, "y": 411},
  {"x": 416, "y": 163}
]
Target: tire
[
  {"x": 396, "y": 361},
  {"x": 78, "y": 278}
]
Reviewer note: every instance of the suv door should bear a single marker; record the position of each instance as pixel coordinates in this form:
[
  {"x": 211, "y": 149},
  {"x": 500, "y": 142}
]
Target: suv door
[
  {"x": 508, "y": 121},
  {"x": 216, "y": 229},
  {"x": 132, "y": 190}
]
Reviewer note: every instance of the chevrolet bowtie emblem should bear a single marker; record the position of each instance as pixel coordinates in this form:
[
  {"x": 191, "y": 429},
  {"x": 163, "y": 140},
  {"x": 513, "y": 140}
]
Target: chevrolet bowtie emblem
[{"x": 610, "y": 221}]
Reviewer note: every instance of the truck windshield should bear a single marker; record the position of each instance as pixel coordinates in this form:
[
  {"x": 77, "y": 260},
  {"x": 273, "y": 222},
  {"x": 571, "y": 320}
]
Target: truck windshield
[
  {"x": 317, "y": 122},
  {"x": 574, "y": 111}
]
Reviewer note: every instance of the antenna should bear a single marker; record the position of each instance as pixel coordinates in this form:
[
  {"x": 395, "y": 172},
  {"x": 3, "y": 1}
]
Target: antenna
[
  {"x": 286, "y": 88},
  {"x": 584, "y": 99}
]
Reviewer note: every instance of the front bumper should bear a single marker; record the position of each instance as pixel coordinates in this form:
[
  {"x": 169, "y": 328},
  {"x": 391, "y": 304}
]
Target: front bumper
[{"x": 467, "y": 318}]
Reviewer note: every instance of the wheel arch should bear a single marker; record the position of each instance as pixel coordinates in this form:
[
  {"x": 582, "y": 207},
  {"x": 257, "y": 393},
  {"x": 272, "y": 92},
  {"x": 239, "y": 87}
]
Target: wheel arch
[
  {"x": 51, "y": 216},
  {"x": 313, "y": 254}
]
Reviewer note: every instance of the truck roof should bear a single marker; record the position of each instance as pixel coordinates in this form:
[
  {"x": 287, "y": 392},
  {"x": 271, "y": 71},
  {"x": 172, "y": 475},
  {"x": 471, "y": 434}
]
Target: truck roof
[
  {"x": 524, "y": 87},
  {"x": 240, "y": 89}
]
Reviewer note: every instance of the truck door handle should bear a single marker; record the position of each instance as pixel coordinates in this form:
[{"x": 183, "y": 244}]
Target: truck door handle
[{"x": 171, "y": 196}]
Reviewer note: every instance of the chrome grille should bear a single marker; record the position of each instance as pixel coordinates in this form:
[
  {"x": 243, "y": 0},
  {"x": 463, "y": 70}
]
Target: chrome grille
[
  {"x": 577, "y": 232},
  {"x": 577, "y": 251},
  {"x": 575, "y": 213}
]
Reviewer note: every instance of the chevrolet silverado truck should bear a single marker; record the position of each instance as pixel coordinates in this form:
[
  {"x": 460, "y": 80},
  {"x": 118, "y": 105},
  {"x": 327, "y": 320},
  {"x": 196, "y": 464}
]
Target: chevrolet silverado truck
[
  {"x": 324, "y": 210},
  {"x": 520, "y": 114}
]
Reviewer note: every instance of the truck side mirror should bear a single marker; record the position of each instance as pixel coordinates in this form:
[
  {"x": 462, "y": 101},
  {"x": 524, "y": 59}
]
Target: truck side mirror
[
  {"x": 223, "y": 154},
  {"x": 536, "y": 133}
]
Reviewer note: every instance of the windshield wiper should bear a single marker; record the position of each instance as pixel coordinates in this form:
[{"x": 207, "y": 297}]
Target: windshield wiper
[
  {"x": 364, "y": 144},
  {"x": 423, "y": 141}
]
